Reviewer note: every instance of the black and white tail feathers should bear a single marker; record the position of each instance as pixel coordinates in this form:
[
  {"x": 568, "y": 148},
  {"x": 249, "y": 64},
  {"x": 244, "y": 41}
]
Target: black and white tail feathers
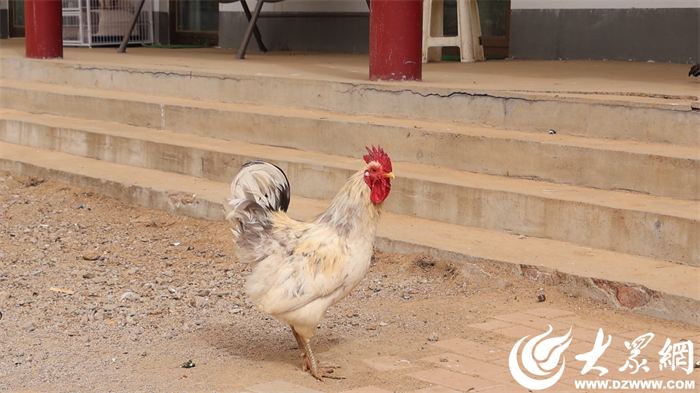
[
  {"x": 694, "y": 70},
  {"x": 257, "y": 188}
]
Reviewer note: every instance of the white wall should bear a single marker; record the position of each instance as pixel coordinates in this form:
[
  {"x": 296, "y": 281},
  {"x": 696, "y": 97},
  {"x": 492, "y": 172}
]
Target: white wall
[
  {"x": 302, "y": 6},
  {"x": 602, "y": 4}
]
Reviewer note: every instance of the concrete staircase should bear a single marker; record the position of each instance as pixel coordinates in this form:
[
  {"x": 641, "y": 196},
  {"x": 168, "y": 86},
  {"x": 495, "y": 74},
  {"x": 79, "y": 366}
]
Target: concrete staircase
[{"x": 609, "y": 206}]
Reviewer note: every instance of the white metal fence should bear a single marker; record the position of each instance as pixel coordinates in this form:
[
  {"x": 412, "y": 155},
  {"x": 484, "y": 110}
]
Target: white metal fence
[{"x": 104, "y": 22}]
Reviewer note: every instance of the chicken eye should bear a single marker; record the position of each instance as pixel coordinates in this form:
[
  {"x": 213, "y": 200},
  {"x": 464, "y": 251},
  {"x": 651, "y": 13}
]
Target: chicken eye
[{"x": 374, "y": 169}]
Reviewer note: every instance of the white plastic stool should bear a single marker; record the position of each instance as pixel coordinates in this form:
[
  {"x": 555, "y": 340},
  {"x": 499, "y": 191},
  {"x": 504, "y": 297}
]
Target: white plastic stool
[{"x": 468, "y": 31}]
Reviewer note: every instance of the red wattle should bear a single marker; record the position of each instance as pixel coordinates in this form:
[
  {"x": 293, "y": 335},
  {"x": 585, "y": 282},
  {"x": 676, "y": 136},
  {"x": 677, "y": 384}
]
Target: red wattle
[{"x": 380, "y": 190}]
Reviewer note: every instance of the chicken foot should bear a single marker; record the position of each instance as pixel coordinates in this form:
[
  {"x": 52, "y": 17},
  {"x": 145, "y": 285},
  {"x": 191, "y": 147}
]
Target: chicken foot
[{"x": 309, "y": 361}]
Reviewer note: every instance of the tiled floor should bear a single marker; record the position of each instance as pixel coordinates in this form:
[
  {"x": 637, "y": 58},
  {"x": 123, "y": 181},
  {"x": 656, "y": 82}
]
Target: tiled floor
[{"x": 468, "y": 366}]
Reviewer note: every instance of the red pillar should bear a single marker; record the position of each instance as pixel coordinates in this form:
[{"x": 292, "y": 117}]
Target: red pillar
[
  {"x": 43, "y": 29},
  {"x": 395, "y": 40}
]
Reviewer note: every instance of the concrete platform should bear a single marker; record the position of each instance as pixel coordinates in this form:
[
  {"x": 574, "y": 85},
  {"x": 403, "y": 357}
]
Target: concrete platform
[
  {"x": 611, "y": 200},
  {"x": 651, "y": 226},
  {"x": 561, "y": 158},
  {"x": 631, "y": 101}
]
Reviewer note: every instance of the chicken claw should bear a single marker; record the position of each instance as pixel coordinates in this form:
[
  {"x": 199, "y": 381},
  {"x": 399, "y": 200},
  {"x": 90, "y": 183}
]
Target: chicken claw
[{"x": 325, "y": 370}]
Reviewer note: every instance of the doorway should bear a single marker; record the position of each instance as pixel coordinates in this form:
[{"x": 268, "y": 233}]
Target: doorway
[
  {"x": 194, "y": 22},
  {"x": 16, "y": 18},
  {"x": 495, "y": 27},
  {"x": 494, "y": 17}
]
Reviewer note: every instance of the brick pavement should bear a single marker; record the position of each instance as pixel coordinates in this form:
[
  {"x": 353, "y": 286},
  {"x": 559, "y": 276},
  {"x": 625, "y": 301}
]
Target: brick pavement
[{"x": 469, "y": 366}]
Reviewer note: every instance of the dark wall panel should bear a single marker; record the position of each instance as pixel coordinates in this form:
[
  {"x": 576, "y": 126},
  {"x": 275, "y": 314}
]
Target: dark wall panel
[
  {"x": 4, "y": 23},
  {"x": 341, "y": 33},
  {"x": 663, "y": 35},
  {"x": 161, "y": 30}
]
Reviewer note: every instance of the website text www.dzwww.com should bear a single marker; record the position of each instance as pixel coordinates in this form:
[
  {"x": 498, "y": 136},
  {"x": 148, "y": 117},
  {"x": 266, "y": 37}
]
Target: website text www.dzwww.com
[{"x": 636, "y": 384}]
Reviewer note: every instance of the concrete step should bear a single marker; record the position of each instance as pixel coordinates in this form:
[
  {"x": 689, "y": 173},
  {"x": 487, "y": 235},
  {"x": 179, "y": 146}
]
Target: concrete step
[
  {"x": 650, "y": 168},
  {"x": 658, "y": 121},
  {"x": 649, "y": 226},
  {"x": 671, "y": 292}
]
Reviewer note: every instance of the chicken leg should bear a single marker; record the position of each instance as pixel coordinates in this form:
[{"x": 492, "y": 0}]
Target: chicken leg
[{"x": 309, "y": 361}]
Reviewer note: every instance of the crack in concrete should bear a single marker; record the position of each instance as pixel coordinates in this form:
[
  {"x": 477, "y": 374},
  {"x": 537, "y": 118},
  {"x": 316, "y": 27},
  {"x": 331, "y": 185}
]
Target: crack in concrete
[
  {"x": 454, "y": 93},
  {"x": 613, "y": 93},
  {"x": 189, "y": 74}
]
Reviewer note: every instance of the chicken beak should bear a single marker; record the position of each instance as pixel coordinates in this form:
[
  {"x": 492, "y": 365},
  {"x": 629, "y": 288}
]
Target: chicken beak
[{"x": 390, "y": 175}]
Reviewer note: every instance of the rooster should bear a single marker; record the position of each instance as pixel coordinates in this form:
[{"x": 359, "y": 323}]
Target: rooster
[
  {"x": 300, "y": 269},
  {"x": 694, "y": 70}
]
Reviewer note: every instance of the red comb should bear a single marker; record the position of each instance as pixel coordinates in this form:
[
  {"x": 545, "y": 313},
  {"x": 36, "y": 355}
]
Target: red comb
[{"x": 378, "y": 155}]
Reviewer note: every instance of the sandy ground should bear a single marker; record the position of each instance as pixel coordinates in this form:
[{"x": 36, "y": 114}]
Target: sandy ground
[{"x": 97, "y": 295}]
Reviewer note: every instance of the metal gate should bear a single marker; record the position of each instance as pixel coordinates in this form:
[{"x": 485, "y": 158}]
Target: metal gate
[{"x": 104, "y": 22}]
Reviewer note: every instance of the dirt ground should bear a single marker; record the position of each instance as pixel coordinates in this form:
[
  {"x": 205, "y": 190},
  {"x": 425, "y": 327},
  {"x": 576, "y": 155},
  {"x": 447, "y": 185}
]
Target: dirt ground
[{"x": 97, "y": 295}]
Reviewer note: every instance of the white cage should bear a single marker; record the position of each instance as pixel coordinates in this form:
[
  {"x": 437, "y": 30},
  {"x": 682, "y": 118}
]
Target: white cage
[{"x": 104, "y": 22}]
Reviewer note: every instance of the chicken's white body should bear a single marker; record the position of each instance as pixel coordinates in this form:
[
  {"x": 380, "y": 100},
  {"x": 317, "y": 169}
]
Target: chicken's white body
[
  {"x": 300, "y": 269},
  {"x": 318, "y": 264}
]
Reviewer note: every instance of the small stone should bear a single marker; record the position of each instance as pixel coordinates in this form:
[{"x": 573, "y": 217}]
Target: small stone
[
  {"x": 89, "y": 275},
  {"x": 129, "y": 296},
  {"x": 4, "y": 295},
  {"x": 541, "y": 297},
  {"x": 188, "y": 364},
  {"x": 632, "y": 297},
  {"x": 433, "y": 337},
  {"x": 383, "y": 324},
  {"x": 91, "y": 255},
  {"x": 203, "y": 293},
  {"x": 530, "y": 273}
]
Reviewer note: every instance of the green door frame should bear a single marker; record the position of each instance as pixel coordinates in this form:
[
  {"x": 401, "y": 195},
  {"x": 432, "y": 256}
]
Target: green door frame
[
  {"x": 16, "y": 30},
  {"x": 188, "y": 37}
]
